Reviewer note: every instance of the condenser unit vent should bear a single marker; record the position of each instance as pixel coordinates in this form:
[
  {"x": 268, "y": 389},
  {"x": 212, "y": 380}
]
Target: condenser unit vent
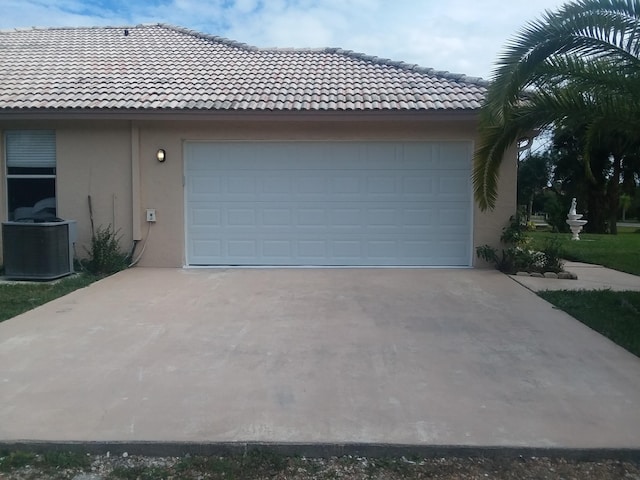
[{"x": 38, "y": 251}]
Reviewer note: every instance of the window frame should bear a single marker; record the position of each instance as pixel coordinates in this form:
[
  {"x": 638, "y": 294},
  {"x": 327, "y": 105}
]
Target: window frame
[{"x": 25, "y": 176}]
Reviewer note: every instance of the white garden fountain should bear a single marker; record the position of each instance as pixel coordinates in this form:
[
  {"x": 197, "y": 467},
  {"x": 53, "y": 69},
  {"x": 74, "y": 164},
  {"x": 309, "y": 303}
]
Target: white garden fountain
[{"x": 574, "y": 221}]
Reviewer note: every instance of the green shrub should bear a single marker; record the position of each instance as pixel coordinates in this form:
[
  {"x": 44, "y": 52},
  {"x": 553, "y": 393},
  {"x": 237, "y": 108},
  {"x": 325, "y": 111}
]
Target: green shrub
[
  {"x": 553, "y": 253},
  {"x": 556, "y": 208},
  {"x": 63, "y": 460},
  {"x": 15, "y": 460},
  {"x": 515, "y": 233},
  {"x": 518, "y": 254},
  {"x": 105, "y": 255}
]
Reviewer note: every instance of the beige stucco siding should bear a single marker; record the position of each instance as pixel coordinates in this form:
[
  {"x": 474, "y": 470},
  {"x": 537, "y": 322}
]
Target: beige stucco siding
[
  {"x": 488, "y": 225},
  {"x": 95, "y": 158}
]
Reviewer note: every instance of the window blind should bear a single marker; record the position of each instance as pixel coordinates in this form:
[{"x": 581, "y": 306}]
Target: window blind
[{"x": 31, "y": 148}]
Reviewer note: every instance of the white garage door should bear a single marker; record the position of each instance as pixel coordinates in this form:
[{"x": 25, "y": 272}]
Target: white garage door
[{"x": 328, "y": 203}]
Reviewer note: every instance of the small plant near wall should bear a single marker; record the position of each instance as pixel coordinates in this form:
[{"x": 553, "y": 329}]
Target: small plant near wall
[
  {"x": 105, "y": 255},
  {"x": 518, "y": 255}
]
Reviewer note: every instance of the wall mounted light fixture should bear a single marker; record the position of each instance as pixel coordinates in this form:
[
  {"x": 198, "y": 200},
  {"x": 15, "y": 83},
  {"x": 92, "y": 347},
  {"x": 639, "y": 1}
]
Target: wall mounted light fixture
[{"x": 161, "y": 155}]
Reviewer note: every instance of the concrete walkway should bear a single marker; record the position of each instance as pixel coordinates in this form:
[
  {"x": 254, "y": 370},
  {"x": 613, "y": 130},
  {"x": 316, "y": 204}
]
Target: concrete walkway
[
  {"x": 419, "y": 357},
  {"x": 590, "y": 277}
]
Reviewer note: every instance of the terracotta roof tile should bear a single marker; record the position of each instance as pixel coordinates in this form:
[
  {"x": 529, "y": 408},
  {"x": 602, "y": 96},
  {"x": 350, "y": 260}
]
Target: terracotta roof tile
[{"x": 164, "y": 67}]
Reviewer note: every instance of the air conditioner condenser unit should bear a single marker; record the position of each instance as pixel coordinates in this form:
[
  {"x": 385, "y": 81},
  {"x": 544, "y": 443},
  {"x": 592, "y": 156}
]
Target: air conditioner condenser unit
[{"x": 38, "y": 251}]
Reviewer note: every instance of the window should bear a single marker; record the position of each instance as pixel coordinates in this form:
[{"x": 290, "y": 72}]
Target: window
[{"x": 31, "y": 174}]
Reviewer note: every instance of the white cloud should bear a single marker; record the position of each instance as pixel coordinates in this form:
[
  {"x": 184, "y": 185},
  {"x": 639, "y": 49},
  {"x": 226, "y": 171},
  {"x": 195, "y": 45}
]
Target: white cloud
[
  {"x": 42, "y": 13},
  {"x": 246, "y": 6},
  {"x": 463, "y": 36}
]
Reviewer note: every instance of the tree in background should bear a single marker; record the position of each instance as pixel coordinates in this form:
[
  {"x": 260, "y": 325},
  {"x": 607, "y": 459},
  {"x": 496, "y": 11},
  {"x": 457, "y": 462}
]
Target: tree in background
[
  {"x": 534, "y": 174},
  {"x": 573, "y": 179},
  {"x": 625, "y": 203},
  {"x": 599, "y": 187},
  {"x": 630, "y": 187},
  {"x": 578, "y": 67}
]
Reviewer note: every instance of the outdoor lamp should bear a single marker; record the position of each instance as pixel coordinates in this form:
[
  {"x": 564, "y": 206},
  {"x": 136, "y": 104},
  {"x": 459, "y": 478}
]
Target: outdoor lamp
[{"x": 161, "y": 155}]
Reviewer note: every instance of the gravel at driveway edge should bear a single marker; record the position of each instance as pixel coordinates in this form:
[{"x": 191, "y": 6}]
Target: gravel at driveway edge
[
  {"x": 261, "y": 466},
  {"x": 323, "y": 450}
]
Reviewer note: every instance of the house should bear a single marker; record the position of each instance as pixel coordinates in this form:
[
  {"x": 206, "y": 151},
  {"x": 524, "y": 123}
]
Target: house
[{"x": 248, "y": 156}]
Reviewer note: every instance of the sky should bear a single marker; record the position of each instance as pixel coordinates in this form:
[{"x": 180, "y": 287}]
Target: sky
[{"x": 459, "y": 36}]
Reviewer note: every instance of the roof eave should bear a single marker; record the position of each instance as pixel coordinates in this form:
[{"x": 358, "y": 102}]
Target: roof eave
[{"x": 271, "y": 115}]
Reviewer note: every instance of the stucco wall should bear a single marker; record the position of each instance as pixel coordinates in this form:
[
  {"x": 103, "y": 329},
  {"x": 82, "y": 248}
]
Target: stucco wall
[
  {"x": 96, "y": 158},
  {"x": 488, "y": 225}
]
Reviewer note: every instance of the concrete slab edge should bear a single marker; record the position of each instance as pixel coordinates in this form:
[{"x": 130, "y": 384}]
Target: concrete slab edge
[{"x": 322, "y": 450}]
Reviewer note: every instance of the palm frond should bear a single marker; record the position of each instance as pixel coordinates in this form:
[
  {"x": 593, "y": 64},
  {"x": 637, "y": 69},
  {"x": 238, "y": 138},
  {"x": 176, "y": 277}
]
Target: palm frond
[{"x": 580, "y": 63}]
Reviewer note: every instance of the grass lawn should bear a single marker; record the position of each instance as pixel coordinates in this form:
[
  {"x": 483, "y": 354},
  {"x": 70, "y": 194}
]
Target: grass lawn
[
  {"x": 620, "y": 252},
  {"x": 16, "y": 298},
  {"x": 615, "y": 315}
]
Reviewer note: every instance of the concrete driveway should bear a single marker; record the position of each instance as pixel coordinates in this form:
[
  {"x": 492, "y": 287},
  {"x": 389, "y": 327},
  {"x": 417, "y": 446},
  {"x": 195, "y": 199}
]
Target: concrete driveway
[{"x": 394, "y": 356}]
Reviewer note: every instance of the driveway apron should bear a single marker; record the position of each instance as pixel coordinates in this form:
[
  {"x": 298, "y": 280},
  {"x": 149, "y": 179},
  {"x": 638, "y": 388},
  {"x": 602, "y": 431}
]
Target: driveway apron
[{"x": 394, "y": 356}]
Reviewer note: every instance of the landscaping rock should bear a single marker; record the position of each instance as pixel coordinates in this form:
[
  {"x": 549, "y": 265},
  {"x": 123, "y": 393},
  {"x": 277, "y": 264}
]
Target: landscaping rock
[
  {"x": 537, "y": 275},
  {"x": 522, "y": 274},
  {"x": 566, "y": 276},
  {"x": 550, "y": 275}
]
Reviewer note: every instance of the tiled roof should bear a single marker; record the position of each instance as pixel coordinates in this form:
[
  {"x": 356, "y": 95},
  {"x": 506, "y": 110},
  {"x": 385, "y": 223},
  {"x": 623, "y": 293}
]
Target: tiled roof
[{"x": 164, "y": 67}]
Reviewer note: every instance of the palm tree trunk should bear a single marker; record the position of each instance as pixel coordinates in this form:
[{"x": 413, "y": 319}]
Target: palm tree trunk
[{"x": 596, "y": 213}]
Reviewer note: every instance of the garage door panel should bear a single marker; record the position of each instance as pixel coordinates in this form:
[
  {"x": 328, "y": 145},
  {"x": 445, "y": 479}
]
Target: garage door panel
[
  {"x": 379, "y": 249},
  {"x": 383, "y": 217},
  {"x": 415, "y": 249},
  {"x": 418, "y": 185},
  {"x": 317, "y": 203},
  {"x": 281, "y": 185},
  {"x": 203, "y": 186},
  {"x": 244, "y": 249},
  {"x": 453, "y": 155},
  {"x": 277, "y": 217},
  {"x": 453, "y": 187},
  {"x": 342, "y": 217},
  {"x": 416, "y": 218},
  {"x": 311, "y": 250},
  {"x": 346, "y": 185},
  {"x": 207, "y": 248},
  {"x": 453, "y": 217},
  {"x": 307, "y": 185},
  {"x": 239, "y": 217},
  {"x": 281, "y": 249},
  {"x": 335, "y": 187},
  {"x": 346, "y": 250},
  {"x": 241, "y": 185},
  {"x": 205, "y": 216},
  {"x": 385, "y": 184}
]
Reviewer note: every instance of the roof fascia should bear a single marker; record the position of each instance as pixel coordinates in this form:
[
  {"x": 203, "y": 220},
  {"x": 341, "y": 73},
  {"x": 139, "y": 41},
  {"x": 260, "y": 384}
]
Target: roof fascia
[{"x": 172, "y": 115}]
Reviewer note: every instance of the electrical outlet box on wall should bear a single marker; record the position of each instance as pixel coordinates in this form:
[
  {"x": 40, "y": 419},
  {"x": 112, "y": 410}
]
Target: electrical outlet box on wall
[{"x": 151, "y": 214}]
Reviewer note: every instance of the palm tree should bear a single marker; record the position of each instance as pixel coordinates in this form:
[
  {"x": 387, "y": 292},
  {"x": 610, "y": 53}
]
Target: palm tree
[{"x": 577, "y": 66}]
